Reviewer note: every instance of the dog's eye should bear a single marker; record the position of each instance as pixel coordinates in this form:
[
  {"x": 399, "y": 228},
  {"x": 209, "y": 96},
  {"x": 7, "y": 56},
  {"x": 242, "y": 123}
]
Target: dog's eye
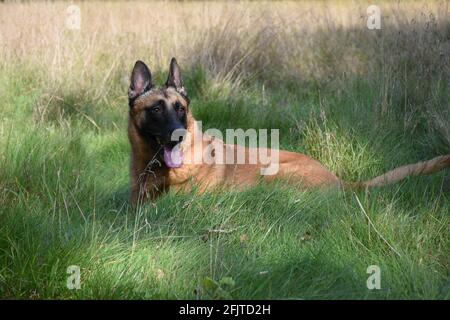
[
  {"x": 179, "y": 107},
  {"x": 156, "y": 109}
]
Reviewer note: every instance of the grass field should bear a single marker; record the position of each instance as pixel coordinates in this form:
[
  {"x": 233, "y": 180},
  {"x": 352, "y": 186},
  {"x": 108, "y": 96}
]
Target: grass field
[{"x": 360, "y": 101}]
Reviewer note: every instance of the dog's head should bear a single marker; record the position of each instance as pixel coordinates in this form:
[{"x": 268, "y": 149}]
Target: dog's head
[{"x": 160, "y": 114}]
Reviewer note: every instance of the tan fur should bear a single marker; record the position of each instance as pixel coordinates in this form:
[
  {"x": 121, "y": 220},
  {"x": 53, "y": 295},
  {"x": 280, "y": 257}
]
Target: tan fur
[
  {"x": 419, "y": 168},
  {"x": 148, "y": 180}
]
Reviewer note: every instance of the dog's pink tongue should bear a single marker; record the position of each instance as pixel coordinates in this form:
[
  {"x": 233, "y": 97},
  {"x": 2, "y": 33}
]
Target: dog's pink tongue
[{"x": 173, "y": 157}]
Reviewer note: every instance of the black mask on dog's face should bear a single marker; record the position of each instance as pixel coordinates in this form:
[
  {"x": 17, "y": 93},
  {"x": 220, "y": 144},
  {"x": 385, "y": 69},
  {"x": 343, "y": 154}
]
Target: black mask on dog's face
[{"x": 160, "y": 114}]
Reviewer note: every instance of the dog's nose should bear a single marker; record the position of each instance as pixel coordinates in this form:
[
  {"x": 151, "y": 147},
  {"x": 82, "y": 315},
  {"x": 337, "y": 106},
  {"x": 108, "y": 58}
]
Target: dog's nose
[{"x": 176, "y": 135}]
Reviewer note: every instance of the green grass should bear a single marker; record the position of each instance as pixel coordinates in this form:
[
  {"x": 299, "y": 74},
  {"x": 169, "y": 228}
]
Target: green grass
[{"x": 64, "y": 201}]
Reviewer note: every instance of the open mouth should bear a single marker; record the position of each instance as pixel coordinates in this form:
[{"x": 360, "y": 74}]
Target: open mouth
[{"x": 173, "y": 156}]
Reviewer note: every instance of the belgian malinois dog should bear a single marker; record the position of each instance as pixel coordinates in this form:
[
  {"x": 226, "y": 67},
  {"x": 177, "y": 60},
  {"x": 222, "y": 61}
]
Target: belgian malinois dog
[{"x": 159, "y": 162}]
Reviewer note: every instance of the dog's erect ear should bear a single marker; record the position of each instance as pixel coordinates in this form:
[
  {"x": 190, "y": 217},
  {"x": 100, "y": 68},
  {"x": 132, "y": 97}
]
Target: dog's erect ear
[
  {"x": 174, "y": 78},
  {"x": 141, "y": 80}
]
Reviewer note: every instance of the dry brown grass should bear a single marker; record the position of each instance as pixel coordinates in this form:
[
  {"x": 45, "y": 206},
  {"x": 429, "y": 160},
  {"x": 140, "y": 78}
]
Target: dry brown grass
[{"x": 302, "y": 38}]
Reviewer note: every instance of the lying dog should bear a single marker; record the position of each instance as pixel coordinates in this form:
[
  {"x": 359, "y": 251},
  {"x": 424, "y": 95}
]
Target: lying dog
[{"x": 160, "y": 162}]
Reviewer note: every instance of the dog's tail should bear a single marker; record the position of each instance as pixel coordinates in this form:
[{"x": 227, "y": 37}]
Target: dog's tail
[{"x": 400, "y": 173}]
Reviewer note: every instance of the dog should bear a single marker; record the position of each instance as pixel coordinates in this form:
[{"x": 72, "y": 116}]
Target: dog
[{"x": 159, "y": 162}]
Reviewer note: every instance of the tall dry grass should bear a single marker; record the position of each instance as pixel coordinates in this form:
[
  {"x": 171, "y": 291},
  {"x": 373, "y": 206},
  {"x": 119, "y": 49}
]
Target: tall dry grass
[{"x": 273, "y": 42}]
